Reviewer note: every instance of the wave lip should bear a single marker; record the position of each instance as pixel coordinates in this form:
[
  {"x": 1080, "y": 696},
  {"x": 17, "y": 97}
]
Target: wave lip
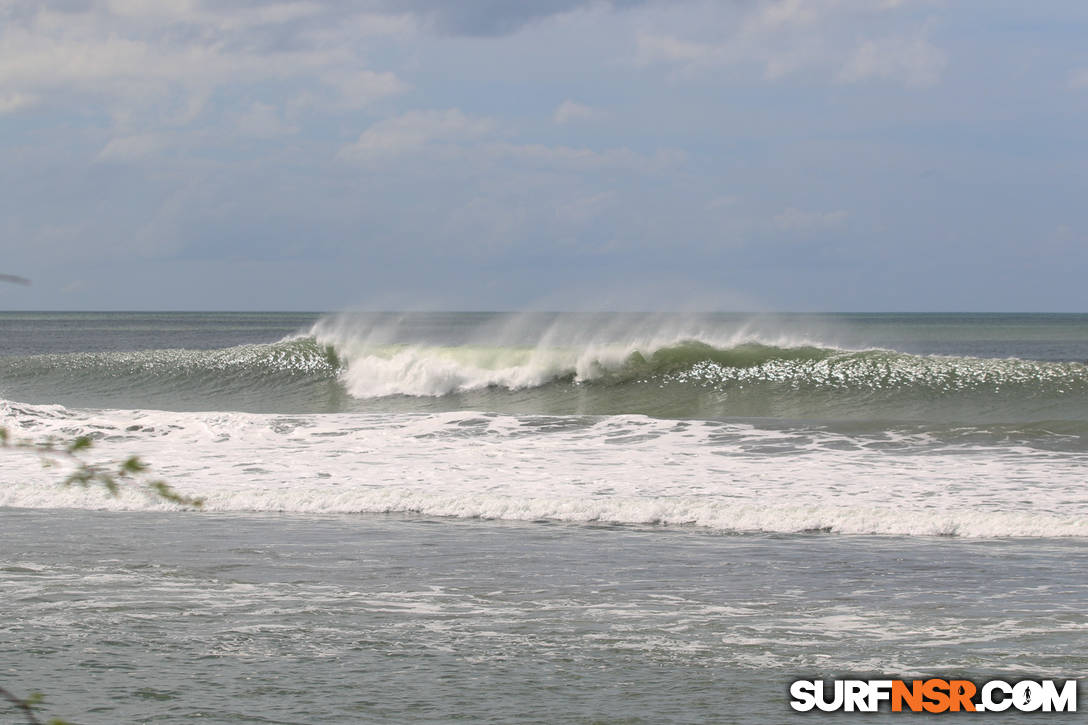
[
  {"x": 389, "y": 357},
  {"x": 386, "y": 355},
  {"x": 435, "y": 371},
  {"x": 696, "y": 378}
]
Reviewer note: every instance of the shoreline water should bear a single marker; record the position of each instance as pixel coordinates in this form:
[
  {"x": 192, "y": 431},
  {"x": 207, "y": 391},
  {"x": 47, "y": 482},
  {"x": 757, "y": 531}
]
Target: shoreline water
[{"x": 154, "y": 616}]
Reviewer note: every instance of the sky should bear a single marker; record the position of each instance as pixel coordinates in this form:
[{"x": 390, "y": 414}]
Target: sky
[{"x": 816, "y": 155}]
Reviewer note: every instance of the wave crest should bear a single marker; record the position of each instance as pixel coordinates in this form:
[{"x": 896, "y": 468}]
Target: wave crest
[
  {"x": 560, "y": 365},
  {"x": 421, "y": 370}
]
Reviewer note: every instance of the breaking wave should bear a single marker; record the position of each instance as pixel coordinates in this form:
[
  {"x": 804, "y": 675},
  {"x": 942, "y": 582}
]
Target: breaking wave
[{"x": 657, "y": 370}]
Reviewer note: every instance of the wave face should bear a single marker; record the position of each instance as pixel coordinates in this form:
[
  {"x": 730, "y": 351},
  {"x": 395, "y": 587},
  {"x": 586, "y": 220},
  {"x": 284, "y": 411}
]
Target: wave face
[
  {"x": 292, "y": 374},
  {"x": 660, "y": 366},
  {"x": 694, "y": 378}
]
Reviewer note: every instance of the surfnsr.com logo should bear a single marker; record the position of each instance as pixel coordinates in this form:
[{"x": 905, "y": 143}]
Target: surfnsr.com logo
[{"x": 933, "y": 695}]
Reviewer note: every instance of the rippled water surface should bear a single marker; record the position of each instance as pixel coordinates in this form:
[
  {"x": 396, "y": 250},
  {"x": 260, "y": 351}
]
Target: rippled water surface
[{"x": 144, "y": 617}]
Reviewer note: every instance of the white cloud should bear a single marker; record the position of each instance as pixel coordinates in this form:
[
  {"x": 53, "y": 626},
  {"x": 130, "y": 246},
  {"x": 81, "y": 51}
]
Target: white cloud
[
  {"x": 359, "y": 88},
  {"x": 653, "y": 48},
  {"x": 158, "y": 63},
  {"x": 797, "y": 220},
  {"x": 131, "y": 148},
  {"x": 12, "y": 102},
  {"x": 471, "y": 138},
  {"x": 414, "y": 131},
  {"x": 912, "y": 60},
  {"x": 786, "y": 37},
  {"x": 786, "y": 12},
  {"x": 190, "y": 12},
  {"x": 585, "y": 159},
  {"x": 571, "y": 111}
]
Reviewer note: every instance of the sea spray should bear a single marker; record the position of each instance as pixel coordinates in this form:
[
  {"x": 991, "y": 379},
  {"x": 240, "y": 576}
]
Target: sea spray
[{"x": 720, "y": 367}]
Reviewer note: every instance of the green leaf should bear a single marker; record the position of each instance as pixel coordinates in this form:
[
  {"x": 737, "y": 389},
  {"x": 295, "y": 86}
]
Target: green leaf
[
  {"x": 81, "y": 476},
  {"x": 165, "y": 491},
  {"x": 133, "y": 465},
  {"x": 80, "y": 444}
]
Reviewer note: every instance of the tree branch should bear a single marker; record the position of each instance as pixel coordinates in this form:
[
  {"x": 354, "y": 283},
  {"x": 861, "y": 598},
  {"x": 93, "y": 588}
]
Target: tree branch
[
  {"x": 109, "y": 476},
  {"x": 25, "y": 705}
]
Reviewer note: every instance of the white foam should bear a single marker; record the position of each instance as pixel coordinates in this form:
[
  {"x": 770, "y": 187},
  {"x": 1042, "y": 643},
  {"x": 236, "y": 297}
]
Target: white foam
[
  {"x": 622, "y": 469},
  {"x": 516, "y": 352}
]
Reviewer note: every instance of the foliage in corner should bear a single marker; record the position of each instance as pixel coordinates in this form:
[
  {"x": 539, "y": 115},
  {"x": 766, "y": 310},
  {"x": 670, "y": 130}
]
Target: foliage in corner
[
  {"x": 111, "y": 476},
  {"x": 27, "y": 705}
]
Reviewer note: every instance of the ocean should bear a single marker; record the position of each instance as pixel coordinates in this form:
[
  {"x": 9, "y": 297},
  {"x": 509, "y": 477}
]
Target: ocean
[{"x": 540, "y": 517}]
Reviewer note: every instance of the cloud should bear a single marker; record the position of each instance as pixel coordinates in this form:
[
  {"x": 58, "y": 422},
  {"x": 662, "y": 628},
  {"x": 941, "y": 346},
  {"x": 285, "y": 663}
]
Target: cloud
[
  {"x": 912, "y": 60},
  {"x": 789, "y": 37},
  {"x": 472, "y": 137},
  {"x": 414, "y": 131},
  {"x": 161, "y": 64},
  {"x": 12, "y": 102},
  {"x": 571, "y": 112},
  {"x": 1078, "y": 78},
  {"x": 586, "y": 159},
  {"x": 359, "y": 88},
  {"x": 585, "y": 208},
  {"x": 131, "y": 148},
  {"x": 722, "y": 202},
  {"x": 492, "y": 17},
  {"x": 238, "y": 15},
  {"x": 797, "y": 220},
  {"x": 653, "y": 48},
  {"x": 262, "y": 120}
]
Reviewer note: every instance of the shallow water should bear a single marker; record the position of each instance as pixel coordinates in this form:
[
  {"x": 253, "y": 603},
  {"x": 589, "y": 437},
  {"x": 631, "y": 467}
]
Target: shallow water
[{"x": 166, "y": 617}]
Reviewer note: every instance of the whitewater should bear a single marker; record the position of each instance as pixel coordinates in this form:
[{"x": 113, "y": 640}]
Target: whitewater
[
  {"x": 729, "y": 424},
  {"x": 539, "y": 517}
]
